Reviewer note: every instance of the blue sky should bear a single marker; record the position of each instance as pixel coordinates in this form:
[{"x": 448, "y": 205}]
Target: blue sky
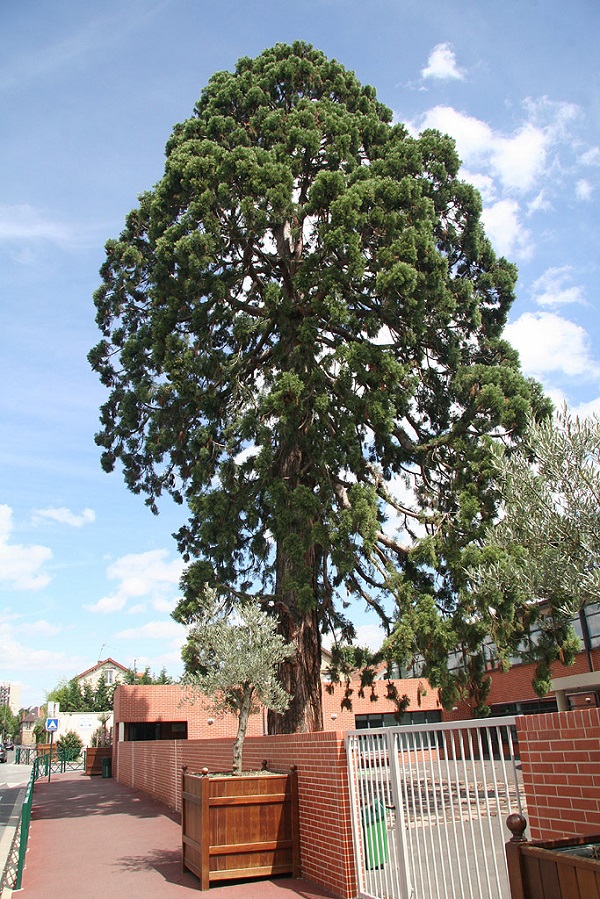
[{"x": 89, "y": 93}]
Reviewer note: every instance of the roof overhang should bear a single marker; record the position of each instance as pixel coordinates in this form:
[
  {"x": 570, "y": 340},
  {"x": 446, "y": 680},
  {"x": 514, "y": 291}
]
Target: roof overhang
[{"x": 576, "y": 683}]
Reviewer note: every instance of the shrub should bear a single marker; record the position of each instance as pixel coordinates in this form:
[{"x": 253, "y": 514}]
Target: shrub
[{"x": 69, "y": 746}]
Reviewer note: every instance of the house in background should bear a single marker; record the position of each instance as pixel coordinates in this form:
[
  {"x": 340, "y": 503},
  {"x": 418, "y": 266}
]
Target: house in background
[
  {"x": 113, "y": 672},
  {"x": 26, "y": 733}
]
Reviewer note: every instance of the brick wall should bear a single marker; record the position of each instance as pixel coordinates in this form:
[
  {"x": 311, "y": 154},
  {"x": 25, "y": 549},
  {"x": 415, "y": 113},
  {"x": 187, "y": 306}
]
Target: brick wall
[
  {"x": 515, "y": 684},
  {"x": 560, "y": 755},
  {"x": 172, "y": 703},
  {"x": 420, "y": 694},
  {"x": 326, "y": 853}
]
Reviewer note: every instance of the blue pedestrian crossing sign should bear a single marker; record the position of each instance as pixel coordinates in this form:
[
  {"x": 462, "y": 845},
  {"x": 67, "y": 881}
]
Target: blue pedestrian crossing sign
[{"x": 51, "y": 725}]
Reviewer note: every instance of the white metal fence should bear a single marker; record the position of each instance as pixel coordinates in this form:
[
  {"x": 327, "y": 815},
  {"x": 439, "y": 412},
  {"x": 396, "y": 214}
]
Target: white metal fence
[{"x": 429, "y": 806}]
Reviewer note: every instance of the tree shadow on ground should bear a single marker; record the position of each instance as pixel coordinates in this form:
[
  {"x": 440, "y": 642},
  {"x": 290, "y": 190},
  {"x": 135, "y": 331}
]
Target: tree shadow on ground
[
  {"x": 167, "y": 862},
  {"x": 85, "y": 796}
]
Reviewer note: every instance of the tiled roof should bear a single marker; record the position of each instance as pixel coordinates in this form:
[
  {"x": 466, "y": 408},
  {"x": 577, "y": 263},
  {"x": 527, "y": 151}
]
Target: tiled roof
[{"x": 98, "y": 665}]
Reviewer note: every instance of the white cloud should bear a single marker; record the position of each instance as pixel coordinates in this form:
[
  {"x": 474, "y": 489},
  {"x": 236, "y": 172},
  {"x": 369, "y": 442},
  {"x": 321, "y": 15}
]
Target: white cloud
[
  {"x": 505, "y": 230},
  {"x": 371, "y": 635},
  {"x": 558, "y": 396},
  {"x": 586, "y": 410},
  {"x": 65, "y": 516},
  {"x": 23, "y": 222},
  {"x": 554, "y": 116},
  {"x": 521, "y": 159},
  {"x": 138, "y": 609},
  {"x": 442, "y": 64},
  {"x": 473, "y": 137},
  {"x": 484, "y": 184},
  {"x": 146, "y": 575},
  {"x": 539, "y": 204},
  {"x": 45, "y": 628},
  {"x": 24, "y": 229},
  {"x": 518, "y": 171},
  {"x": 516, "y": 161},
  {"x": 591, "y": 156},
  {"x": 16, "y": 656},
  {"x": 553, "y": 289},
  {"x": 154, "y": 630},
  {"x": 162, "y": 604},
  {"x": 584, "y": 190},
  {"x": 114, "y": 602},
  {"x": 547, "y": 342},
  {"x": 21, "y": 566}
]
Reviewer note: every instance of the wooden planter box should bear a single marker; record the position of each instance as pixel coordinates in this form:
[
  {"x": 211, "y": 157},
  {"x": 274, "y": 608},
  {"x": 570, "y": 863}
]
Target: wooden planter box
[
  {"x": 94, "y": 756},
  {"x": 561, "y": 869},
  {"x": 44, "y": 749},
  {"x": 241, "y": 827}
]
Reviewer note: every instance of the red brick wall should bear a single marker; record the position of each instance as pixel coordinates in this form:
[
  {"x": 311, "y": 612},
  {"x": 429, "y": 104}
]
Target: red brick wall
[
  {"x": 172, "y": 703},
  {"x": 326, "y": 853},
  {"x": 421, "y": 697},
  {"x": 515, "y": 684},
  {"x": 560, "y": 756}
]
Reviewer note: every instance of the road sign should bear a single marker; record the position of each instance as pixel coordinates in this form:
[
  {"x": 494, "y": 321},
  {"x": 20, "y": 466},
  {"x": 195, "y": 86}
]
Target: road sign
[{"x": 51, "y": 725}]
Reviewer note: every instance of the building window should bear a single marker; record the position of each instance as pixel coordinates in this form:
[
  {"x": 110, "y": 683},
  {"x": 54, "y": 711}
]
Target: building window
[
  {"x": 137, "y": 731},
  {"x": 109, "y": 674},
  {"x": 526, "y": 707},
  {"x": 388, "y": 719}
]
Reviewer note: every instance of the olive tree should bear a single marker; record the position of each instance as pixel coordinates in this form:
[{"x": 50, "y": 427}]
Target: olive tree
[
  {"x": 539, "y": 564},
  {"x": 234, "y": 663}
]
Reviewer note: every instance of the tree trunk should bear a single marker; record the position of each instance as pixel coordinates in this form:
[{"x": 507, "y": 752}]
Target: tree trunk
[
  {"x": 297, "y": 568},
  {"x": 238, "y": 743},
  {"x": 300, "y": 675}
]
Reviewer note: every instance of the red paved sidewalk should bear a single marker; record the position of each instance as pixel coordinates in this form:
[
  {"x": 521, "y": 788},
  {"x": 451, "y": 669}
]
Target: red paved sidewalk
[{"x": 91, "y": 837}]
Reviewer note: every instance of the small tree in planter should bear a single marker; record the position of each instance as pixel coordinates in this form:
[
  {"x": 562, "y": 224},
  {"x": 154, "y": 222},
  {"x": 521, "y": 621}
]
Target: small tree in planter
[
  {"x": 234, "y": 665},
  {"x": 70, "y": 746},
  {"x": 101, "y": 737}
]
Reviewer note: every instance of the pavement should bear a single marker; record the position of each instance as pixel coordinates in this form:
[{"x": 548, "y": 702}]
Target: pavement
[{"x": 91, "y": 837}]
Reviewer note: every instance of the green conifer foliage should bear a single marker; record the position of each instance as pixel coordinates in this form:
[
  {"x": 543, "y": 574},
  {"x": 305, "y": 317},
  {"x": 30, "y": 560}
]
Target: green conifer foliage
[{"x": 303, "y": 315}]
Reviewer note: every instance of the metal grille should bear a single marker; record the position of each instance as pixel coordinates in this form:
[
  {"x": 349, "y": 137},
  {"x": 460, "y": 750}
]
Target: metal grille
[{"x": 429, "y": 808}]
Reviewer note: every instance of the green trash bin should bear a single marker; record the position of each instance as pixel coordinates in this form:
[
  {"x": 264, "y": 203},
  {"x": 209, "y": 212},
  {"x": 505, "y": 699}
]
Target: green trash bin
[
  {"x": 374, "y": 828},
  {"x": 107, "y": 767}
]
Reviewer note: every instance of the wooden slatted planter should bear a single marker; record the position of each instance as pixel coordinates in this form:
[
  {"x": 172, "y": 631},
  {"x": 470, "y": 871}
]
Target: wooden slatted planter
[
  {"x": 94, "y": 756},
  {"x": 561, "y": 869},
  {"x": 240, "y": 827}
]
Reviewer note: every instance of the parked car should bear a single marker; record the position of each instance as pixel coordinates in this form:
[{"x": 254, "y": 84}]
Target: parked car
[
  {"x": 8, "y": 744},
  {"x": 3, "y": 754}
]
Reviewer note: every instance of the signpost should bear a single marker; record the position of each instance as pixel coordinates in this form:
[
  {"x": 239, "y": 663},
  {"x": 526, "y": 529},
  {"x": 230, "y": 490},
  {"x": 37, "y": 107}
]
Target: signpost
[{"x": 51, "y": 728}]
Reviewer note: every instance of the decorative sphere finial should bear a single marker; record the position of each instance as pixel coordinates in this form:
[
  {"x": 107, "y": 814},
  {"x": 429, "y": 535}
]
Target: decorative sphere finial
[{"x": 517, "y": 825}]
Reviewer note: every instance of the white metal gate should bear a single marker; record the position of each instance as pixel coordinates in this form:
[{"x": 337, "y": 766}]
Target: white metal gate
[{"x": 429, "y": 808}]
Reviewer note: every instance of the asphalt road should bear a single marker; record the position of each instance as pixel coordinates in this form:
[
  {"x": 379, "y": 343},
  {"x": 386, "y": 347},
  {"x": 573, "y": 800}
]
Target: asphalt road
[
  {"x": 12, "y": 775},
  {"x": 12, "y": 779}
]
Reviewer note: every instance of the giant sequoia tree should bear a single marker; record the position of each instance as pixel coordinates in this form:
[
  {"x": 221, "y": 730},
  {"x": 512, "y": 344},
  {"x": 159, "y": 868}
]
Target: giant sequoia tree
[{"x": 302, "y": 342}]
